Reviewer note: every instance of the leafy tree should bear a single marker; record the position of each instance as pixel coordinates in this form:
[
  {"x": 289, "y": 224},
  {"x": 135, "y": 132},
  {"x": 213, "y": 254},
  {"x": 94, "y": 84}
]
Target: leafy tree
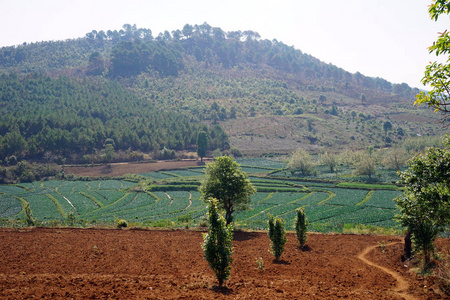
[
  {"x": 425, "y": 206},
  {"x": 217, "y": 244},
  {"x": 301, "y": 226},
  {"x": 217, "y": 153},
  {"x": 108, "y": 152},
  {"x": 235, "y": 152},
  {"x": 363, "y": 99},
  {"x": 277, "y": 235},
  {"x": 394, "y": 159},
  {"x": 365, "y": 165},
  {"x": 226, "y": 182},
  {"x": 328, "y": 159},
  {"x": 301, "y": 161},
  {"x": 96, "y": 64},
  {"x": 437, "y": 75},
  {"x": 387, "y": 126},
  {"x": 322, "y": 99},
  {"x": 202, "y": 144}
]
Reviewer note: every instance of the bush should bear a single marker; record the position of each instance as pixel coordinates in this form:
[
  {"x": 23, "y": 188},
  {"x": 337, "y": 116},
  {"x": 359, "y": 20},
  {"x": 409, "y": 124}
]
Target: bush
[
  {"x": 235, "y": 152},
  {"x": 29, "y": 215},
  {"x": 301, "y": 226},
  {"x": 121, "y": 223},
  {"x": 217, "y": 244},
  {"x": 277, "y": 235},
  {"x": 71, "y": 219}
]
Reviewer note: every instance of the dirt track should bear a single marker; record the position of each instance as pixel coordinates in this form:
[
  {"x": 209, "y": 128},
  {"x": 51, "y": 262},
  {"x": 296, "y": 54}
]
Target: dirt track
[{"x": 138, "y": 264}]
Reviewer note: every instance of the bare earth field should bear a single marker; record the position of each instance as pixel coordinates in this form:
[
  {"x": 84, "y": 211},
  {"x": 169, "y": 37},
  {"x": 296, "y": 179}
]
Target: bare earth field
[
  {"x": 168, "y": 264},
  {"x": 119, "y": 169}
]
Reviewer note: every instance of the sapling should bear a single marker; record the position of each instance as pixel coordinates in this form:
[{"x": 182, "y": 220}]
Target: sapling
[
  {"x": 217, "y": 244},
  {"x": 277, "y": 235},
  {"x": 301, "y": 226}
]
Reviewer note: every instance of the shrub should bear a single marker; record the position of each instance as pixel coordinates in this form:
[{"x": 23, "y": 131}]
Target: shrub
[
  {"x": 277, "y": 235},
  {"x": 121, "y": 223},
  {"x": 71, "y": 219},
  {"x": 301, "y": 225},
  {"x": 29, "y": 215},
  {"x": 217, "y": 244},
  {"x": 235, "y": 152}
]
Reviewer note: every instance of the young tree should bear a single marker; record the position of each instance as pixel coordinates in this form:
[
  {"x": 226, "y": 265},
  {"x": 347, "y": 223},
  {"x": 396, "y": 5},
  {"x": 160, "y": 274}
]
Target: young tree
[
  {"x": 277, "y": 235},
  {"x": 394, "y": 159},
  {"x": 328, "y": 159},
  {"x": 202, "y": 144},
  {"x": 217, "y": 244},
  {"x": 425, "y": 206},
  {"x": 437, "y": 75},
  {"x": 387, "y": 126},
  {"x": 226, "y": 182},
  {"x": 301, "y": 226},
  {"x": 300, "y": 161},
  {"x": 365, "y": 166}
]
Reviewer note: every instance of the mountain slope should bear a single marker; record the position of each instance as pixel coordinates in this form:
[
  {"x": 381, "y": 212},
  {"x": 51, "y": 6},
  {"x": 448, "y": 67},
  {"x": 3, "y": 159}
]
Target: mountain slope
[{"x": 267, "y": 96}]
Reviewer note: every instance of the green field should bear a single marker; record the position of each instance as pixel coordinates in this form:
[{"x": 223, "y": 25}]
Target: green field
[{"x": 173, "y": 199}]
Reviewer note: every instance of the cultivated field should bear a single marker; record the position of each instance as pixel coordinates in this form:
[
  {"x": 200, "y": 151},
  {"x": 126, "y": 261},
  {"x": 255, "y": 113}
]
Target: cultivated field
[
  {"x": 141, "y": 264},
  {"x": 171, "y": 198}
]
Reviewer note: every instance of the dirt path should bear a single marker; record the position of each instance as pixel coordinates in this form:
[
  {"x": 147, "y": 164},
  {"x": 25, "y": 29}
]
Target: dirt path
[
  {"x": 190, "y": 201},
  {"x": 402, "y": 285}
]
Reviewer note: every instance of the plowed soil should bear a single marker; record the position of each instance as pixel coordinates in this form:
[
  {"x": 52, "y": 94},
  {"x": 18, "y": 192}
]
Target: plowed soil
[
  {"x": 168, "y": 264},
  {"x": 118, "y": 169}
]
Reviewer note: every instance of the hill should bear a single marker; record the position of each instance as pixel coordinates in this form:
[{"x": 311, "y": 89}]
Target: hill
[{"x": 140, "y": 93}]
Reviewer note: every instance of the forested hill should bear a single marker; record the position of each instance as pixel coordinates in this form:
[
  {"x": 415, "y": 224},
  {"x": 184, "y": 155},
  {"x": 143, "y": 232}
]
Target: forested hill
[
  {"x": 132, "y": 51},
  {"x": 137, "y": 91}
]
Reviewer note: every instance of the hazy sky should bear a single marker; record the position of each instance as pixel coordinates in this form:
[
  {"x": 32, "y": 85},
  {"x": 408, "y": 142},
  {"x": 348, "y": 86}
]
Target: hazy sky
[{"x": 379, "y": 38}]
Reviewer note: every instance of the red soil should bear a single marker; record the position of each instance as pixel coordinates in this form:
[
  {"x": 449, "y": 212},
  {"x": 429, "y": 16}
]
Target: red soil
[
  {"x": 140, "y": 264},
  {"x": 119, "y": 169}
]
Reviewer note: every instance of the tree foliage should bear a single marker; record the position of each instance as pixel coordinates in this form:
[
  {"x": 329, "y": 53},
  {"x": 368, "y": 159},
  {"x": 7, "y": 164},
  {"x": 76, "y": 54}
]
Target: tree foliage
[
  {"x": 394, "y": 159},
  {"x": 202, "y": 144},
  {"x": 226, "y": 182},
  {"x": 328, "y": 159},
  {"x": 365, "y": 165},
  {"x": 277, "y": 235},
  {"x": 300, "y": 161},
  {"x": 217, "y": 244},
  {"x": 425, "y": 206},
  {"x": 301, "y": 226},
  {"x": 437, "y": 75},
  {"x": 68, "y": 116}
]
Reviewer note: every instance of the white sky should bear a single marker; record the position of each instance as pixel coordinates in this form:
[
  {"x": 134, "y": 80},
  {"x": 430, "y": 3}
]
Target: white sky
[{"x": 379, "y": 38}]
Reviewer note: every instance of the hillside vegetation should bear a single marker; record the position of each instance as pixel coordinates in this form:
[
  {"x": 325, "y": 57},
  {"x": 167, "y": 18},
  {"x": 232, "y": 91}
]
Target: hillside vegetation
[{"x": 139, "y": 93}]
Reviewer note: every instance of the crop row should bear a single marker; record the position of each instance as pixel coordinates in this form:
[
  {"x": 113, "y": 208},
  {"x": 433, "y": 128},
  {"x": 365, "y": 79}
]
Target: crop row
[{"x": 110, "y": 199}]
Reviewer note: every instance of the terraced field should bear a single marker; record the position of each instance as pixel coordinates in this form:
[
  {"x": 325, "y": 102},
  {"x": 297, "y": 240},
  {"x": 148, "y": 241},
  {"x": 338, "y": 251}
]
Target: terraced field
[{"x": 172, "y": 197}]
